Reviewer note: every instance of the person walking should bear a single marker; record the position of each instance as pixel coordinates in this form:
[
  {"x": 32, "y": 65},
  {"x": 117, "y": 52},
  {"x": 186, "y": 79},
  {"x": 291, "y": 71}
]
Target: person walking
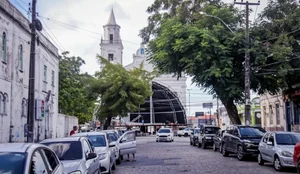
[{"x": 74, "y": 130}]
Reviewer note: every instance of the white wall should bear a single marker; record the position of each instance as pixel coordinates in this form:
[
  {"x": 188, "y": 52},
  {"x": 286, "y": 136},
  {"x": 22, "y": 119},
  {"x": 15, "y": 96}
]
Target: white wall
[{"x": 14, "y": 82}]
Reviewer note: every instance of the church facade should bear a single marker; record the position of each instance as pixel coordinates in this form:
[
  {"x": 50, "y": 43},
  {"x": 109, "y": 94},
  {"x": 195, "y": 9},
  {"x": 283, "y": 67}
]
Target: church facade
[{"x": 168, "y": 102}]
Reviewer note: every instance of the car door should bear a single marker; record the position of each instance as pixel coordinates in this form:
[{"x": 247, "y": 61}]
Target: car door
[
  {"x": 53, "y": 162},
  {"x": 38, "y": 164},
  {"x": 235, "y": 139},
  {"x": 270, "y": 150},
  {"x": 91, "y": 164},
  {"x": 263, "y": 146},
  {"x": 127, "y": 143}
]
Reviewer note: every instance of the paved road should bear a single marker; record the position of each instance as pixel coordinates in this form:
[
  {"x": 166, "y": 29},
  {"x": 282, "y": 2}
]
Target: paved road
[{"x": 180, "y": 157}]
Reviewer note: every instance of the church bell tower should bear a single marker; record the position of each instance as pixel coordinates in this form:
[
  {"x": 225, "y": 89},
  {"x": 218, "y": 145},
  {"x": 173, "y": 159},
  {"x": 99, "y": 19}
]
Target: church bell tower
[{"x": 111, "y": 44}]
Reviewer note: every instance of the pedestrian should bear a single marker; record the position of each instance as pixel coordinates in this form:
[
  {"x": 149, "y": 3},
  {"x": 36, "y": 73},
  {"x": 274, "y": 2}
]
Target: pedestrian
[
  {"x": 73, "y": 131},
  {"x": 128, "y": 155}
]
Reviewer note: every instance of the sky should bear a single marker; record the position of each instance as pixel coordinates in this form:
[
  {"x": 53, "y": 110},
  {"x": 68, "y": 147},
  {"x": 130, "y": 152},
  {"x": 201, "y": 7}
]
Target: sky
[{"x": 76, "y": 26}]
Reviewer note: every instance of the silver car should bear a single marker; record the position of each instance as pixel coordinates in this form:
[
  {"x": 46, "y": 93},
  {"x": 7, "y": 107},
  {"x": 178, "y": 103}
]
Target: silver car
[
  {"x": 24, "y": 158},
  {"x": 278, "y": 148},
  {"x": 76, "y": 153},
  {"x": 103, "y": 148}
]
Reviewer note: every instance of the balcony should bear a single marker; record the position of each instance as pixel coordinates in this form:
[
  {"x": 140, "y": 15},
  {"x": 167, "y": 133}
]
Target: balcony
[{"x": 111, "y": 41}]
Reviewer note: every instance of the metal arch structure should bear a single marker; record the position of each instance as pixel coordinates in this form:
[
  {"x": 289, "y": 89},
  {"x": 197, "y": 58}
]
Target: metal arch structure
[{"x": 167, "y": 107}]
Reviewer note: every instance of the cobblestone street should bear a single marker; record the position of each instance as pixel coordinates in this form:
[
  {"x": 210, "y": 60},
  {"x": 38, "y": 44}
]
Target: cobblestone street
[{"x": 180, "y": 157}]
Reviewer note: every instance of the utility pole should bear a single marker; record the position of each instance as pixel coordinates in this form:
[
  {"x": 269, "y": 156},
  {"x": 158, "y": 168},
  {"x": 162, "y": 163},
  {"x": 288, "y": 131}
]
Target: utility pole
[
  {"x": 247, "y": 63},
  {"x": 31, "y": 90},
  {"x": 218, "y": 117},
  {"x": 189, "y": 102}
]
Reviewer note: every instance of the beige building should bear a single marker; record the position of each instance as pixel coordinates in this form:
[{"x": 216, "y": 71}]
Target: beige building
[{"x": 273, "y": 112}]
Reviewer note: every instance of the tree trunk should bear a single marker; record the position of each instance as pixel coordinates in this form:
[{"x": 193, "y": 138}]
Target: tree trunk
[
  {"x": 232, "y": 111},
  {"x": 107, "y": 123}
]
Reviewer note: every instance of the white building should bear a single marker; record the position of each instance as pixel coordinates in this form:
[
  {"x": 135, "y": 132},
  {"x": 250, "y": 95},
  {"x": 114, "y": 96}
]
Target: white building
[
  {"x": 167, "y": 105},
  {"x": 14, "y": 78}
]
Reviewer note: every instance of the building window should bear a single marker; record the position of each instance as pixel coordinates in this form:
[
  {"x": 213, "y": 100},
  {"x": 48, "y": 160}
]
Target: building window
[
  {"x": 4, "y": 40},
  {"x": 142, "y": 51},
  {"x": 5, "y": 101},
  {"x": 271, "y": 114},
  {"x": 111, "y": 38},
  {"x": 24, "y": 108},
  {"x": 45, "y": 73},
  {"x": 111, "y": 57},
  {"x": 52, "y": 78},
  {"x": 21, "y": 58},
  {"x": 277, "y": 114}
]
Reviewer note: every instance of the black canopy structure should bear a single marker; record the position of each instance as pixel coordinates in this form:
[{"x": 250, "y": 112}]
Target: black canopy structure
[{"x": 167, "y": 107}]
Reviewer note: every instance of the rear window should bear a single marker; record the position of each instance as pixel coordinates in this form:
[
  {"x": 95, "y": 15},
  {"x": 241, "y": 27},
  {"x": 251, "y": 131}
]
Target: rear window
[
  {"x": 12, "y": 163},
  {"x": 67, "y": 150},
  {"x": 97, "y": 140},
  {"x": 251, "y": 132}
]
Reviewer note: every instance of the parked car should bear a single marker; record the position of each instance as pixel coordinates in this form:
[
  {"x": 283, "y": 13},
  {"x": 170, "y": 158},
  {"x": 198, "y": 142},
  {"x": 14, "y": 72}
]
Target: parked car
[
  {"x": 103, "y": 148},
  {"x": 185, "y": 132},
  {"x": 24, "y": 158},
  {"x": 113, "y": 137},
  {"x": 242, "y": 140},
  {"x": 217, "y": 140},
  {"x": 194, "y": 137},
  {"x": 76, "y": 153},
  {"x": 164, "y": 134},
  {"x": 278, "y": 148},
  {"x": 296, "y": 157},
  {"x": 206, "y": 135}
]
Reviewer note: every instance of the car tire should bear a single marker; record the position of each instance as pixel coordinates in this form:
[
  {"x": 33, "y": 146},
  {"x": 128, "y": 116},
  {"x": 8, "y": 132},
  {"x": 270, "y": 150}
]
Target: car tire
[
  {"x": 186, "y": 134},
  {"x": 224, "y": 151},
  {"x": 260, "y": 160},
  {"x": 214, "y": 147},
  {"x": 199, "y": 145},
  {"x": 298, "y": 167},
  {"x": 179, "y": 135},
  {"x": 277, "y": 164},
  {"x": 191, "y": 143},
  {"x": 240, "y": 153},
  {"x": 99, "y": 170},
  {"x": 194, "y": 143},
  {"x": 114, "y": 166}
]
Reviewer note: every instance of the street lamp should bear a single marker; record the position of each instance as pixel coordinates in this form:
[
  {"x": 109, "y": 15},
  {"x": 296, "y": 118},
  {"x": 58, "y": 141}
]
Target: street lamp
[{"x": 216, "y": 17}]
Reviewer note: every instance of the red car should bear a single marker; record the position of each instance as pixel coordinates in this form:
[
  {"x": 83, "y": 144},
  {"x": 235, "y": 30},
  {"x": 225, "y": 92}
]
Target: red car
[{"x": 296, "y": 157}]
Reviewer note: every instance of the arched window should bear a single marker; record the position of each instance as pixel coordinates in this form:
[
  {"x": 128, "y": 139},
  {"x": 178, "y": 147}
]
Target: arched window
[
  {"x": 24, "y": 108},
  {"x": 4, "y": 40},
  {"x": 142, "y": 51},
  {"x": 21, "y": 58},
  {"x": 5, "y": 101}
]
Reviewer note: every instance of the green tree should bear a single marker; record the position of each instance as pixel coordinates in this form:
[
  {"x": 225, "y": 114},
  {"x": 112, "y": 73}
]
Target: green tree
[
  {"x": 280, "y": 19},
  {"x": 185, "y": 41},
  {"x": 75, "y": 97},
  {"x": 120, "y": 91}
]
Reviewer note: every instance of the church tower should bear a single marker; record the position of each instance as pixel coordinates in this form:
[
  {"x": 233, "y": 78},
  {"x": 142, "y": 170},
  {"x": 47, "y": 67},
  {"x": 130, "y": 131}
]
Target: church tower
[{"x": 111, "y": 44}]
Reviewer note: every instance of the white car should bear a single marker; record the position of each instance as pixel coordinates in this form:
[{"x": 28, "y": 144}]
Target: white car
[
  {"x": 103, "y": 147},
  {"x": 165, "y": 134},
  {"x": 185, "y": 132},
  {"x": 20, "y": 157}
]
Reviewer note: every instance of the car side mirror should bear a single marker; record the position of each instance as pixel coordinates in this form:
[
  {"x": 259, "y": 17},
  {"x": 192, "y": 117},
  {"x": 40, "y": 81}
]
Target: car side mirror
[
  {"x": 269, "y": 143},
  {"x": 91, "y": 155}
]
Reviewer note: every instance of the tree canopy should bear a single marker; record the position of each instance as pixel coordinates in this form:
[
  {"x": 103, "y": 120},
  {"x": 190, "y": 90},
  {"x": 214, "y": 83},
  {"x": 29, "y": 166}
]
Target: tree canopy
[
  {"x": 75, "y": 99},
  {"x": 121, "y": 91},
  {"x": 183, "y": 40}
]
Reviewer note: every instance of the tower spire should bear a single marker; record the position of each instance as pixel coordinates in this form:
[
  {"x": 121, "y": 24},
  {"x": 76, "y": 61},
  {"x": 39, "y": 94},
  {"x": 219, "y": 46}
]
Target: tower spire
[{"x": 112, "y": 19}]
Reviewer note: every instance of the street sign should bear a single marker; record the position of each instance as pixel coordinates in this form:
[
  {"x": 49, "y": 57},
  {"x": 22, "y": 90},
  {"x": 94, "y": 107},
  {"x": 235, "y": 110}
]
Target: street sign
[
  {"x": 199, "y": 114},
  {"x": 207, "y": 105}
]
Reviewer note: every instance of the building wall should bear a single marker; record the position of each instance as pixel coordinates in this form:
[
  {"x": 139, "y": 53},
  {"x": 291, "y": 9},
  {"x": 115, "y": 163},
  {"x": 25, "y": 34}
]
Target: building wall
[
  {"x": 269, "y": 105},
  {"x": 14, "y": 79}
]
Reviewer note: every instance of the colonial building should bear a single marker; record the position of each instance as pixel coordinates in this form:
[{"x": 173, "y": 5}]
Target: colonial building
[
  {"x": 14, "y": 78},
  {"x": 167, "y": 104}
]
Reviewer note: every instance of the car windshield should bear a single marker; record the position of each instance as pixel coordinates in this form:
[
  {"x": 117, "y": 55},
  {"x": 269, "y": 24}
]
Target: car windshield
[
  {"x": 164, "y": 131},
  {"x": 12, "y": 163},
  {"x": 197, "y": 131},
  {"x": 66, "y": 150},
  {"x": 97, "y": 140},
  {"x": 251, "y": 132},
  {"x": 211, "y": 130},
  {"x": 287, "y": 139}
]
